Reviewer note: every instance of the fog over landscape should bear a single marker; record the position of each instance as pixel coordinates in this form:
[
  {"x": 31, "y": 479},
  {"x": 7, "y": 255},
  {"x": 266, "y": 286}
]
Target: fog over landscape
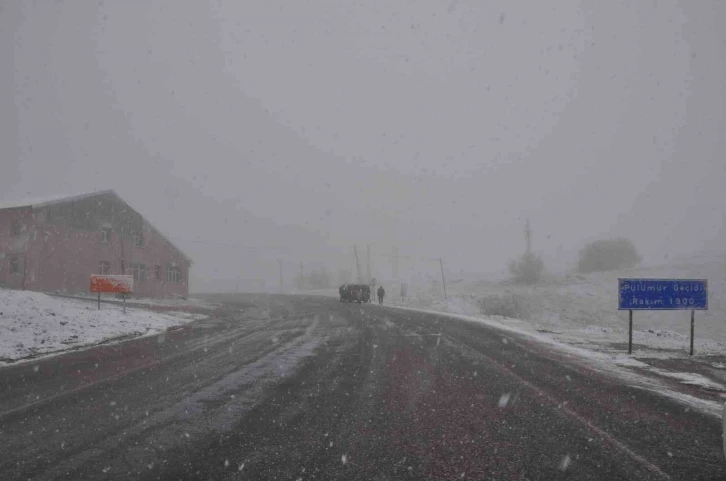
[{"x": 257, "y": 131}]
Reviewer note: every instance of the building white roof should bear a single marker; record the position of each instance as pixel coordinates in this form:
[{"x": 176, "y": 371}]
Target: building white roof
[{"x": 49, "y": 200}]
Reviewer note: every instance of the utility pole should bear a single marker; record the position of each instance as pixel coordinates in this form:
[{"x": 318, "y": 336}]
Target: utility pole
[
  {"x": 368, "y": 264},
  {"x": 443, "y": 279},
  {"x": 528, "y": 237},
  {"x": 123, "y": 260},
  {"x": 279, "y": 265},
  {"x": 357, "y": 264}
]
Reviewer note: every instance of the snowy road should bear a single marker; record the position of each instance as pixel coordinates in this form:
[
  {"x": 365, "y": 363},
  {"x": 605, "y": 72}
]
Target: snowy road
[{"x": 307, "y": 388}]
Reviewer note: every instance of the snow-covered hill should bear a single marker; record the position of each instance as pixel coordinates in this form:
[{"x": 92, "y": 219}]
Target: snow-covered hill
[{"x": 583, "y": 309}]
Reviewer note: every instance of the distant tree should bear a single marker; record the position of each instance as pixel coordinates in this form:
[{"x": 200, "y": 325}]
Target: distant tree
[
  {"x": 606, "y": 255},
  {"x": 299, "y": 281},
  {"x": 527, "y": 269},
  {"x": 319, "y": 279},
  {"x": 343, "y": 276}
]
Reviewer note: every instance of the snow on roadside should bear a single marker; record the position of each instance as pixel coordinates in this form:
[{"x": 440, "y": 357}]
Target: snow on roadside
[
  {"x": 32, "y": 323},
  {"x": 177, "y": 302},
  {"x": 615, "y": 364}
]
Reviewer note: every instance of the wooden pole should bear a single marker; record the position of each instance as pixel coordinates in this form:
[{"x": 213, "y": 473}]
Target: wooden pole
[
  {"x": 693, "y": 316},
  {"x": 443, "y": 279},
  {"x": 630, "y": 333},
  {"x": 25, "y": 263},
  {"x": 279, "y": 264},
  {"x": 357, "y": 265},
  {"x": 99, "y": 300},
  {"x": 368, "y": 264}
]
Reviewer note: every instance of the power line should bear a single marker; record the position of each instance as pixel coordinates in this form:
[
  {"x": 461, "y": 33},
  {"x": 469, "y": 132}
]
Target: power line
[
  {"x": 399, "y": 256},
  {"x": 237, "y": 245}
]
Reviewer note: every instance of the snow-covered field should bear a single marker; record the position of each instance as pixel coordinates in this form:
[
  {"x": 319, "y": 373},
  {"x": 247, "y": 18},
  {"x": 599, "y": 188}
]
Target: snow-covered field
[
  {"x": 32, "y": 323},
  {"x": 582, "y": 310}
]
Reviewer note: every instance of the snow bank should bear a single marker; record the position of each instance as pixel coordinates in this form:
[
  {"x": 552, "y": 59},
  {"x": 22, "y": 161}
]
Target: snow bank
[
  {"x": 178, "y": 302},
  {"x": 32, "y": 323}
]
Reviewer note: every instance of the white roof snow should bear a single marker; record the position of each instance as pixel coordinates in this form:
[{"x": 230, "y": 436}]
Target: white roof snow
[{"x": 43, "y": 201}]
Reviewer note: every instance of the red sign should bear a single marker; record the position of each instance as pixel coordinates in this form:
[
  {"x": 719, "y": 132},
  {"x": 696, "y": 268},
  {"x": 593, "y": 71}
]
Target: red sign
[{"x": 124, "y": 284}]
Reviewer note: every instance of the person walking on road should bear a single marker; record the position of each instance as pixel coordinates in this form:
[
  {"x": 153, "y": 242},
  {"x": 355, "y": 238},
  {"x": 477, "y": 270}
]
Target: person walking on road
[{"x": 381, "y": 293}]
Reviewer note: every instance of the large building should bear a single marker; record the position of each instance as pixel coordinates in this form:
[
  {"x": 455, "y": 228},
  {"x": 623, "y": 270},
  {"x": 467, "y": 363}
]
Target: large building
[{"x": 55, "y": 245}]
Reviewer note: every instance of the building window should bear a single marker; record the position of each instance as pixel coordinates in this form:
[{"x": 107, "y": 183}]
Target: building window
[
  {"x": 137, "y": 238},
  {"x": 105, "y": 234},
  {"x": 173, "y": 274},
  {"x": 139, "y": 271},
  {"x": 104, "y": 268},
  {"x": 157, "y": 273},
  {"x": 17, "y": 228},
  {"x": 14, "y": 265}
]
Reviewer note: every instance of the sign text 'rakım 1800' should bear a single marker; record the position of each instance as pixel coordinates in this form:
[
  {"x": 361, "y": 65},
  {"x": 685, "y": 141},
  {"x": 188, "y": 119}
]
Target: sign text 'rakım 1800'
[{"x": 662, "y": 295}]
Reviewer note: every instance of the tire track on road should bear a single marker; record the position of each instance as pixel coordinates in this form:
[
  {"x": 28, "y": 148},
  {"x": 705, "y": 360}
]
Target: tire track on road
[
  {"x": 6, "y": 415},
  {"x": 561, "y": 406}
]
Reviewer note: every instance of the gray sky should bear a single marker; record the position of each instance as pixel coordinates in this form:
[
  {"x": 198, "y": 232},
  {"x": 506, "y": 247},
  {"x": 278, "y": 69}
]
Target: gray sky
[{"x": 435, "y": 126}]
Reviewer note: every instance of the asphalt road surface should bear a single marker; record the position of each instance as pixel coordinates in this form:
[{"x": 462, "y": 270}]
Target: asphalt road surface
[{"x": 276, "y": 387}]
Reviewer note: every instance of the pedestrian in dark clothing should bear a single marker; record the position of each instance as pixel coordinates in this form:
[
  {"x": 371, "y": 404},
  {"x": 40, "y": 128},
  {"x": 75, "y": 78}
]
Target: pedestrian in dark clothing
[{"x": 381, "y": 293}]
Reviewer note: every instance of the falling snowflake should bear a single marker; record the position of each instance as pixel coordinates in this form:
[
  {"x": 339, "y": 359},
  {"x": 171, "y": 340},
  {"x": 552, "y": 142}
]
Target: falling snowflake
[
  {"x": 35, "y": 368},
  {"x": 241, "y": 467},
  {"x": 226, "y": 463},
  {"x": 106, "y": 469},
  {"x": 344, "y": 458},
  {"x": 504, "y": 400},
  {"x": 504, "y": 340},
  {"x": 565, "y": 463}
]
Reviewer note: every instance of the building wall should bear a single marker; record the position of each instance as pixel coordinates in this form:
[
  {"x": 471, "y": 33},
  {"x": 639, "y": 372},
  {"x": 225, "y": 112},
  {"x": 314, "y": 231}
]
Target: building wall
[
  {"x": 63, "y": 246},
  {"x": 13, "y": 247}
]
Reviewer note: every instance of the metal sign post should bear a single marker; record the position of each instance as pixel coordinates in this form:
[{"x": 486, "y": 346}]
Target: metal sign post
[
  {"x": 630, "y": 332},
  {"x": 693, "y": 316},
  {"x": 662, "y": 295}
]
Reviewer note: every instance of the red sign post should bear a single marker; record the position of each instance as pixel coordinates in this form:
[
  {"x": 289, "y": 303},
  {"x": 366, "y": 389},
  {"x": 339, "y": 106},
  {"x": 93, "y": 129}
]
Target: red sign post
[{"x": 118, "y": 284}]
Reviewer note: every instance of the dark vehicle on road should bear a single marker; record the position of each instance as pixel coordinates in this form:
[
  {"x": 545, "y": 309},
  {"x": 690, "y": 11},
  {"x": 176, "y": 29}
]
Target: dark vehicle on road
[{"x": 355, "y": 293}]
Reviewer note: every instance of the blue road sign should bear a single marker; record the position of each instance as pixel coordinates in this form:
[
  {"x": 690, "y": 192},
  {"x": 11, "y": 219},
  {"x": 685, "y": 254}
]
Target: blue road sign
[{"x": 663, "y": 294}]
